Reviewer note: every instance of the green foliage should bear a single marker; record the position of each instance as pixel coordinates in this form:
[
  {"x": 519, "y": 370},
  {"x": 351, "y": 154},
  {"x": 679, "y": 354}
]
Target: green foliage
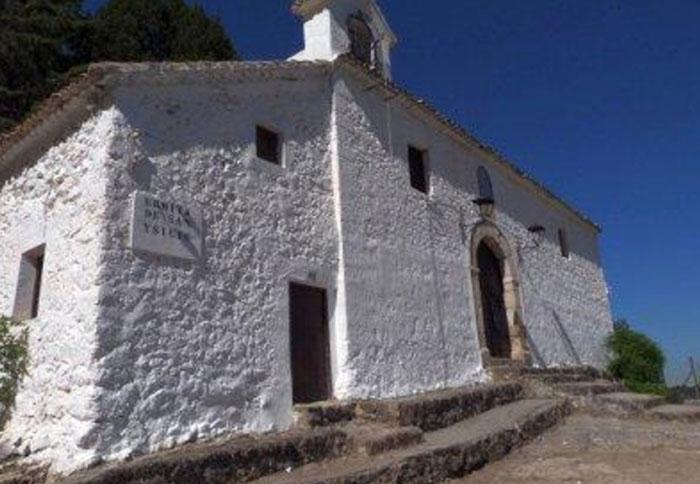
[
  {"x": 13, "y": 362},
  {"x": 159, "y": 30},
  {"x": 44, "y": 42},
  {"x": 40, "y": 42},
  {"x": 637, "y": 360}
]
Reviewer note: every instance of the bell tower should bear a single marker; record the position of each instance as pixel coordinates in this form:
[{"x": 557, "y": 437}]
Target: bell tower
[{"x": 336, "y": 27}]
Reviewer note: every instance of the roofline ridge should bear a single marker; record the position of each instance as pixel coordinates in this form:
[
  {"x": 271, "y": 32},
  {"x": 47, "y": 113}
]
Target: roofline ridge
[{"x": 466, "y": 135}]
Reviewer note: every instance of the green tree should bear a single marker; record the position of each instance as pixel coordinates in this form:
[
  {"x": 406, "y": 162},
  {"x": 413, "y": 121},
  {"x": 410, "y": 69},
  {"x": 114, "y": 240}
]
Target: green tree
[
  {"x": 13, "y": 363},
  {"x": 44, "y": 42},
  {"x": 636, "y": 360},
  {"x": 40, "y": 42},
  {"x": 158, "y": 30}
]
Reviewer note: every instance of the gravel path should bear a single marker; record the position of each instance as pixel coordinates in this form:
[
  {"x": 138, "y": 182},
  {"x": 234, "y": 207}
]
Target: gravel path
[{"x": 588, "y": 450}]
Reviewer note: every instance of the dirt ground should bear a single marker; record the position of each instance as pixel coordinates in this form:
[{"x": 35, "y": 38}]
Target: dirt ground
[{"x": 588, "y": 450}]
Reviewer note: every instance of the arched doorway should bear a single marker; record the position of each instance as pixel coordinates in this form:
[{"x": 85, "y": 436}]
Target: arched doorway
[
  {"x": 497, "y": 301},
  {"x": 493, "y": 306}
]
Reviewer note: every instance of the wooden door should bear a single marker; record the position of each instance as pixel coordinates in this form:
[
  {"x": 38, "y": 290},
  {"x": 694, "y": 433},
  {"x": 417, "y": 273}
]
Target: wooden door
[
  {"x": 493, "y": 304},
  {"x": 309, "y": 344}
]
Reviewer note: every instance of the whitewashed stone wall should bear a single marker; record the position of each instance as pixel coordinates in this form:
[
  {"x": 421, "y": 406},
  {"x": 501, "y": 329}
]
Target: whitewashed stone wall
[
  {"x": 410, "y": 307},
  {"x": 192, "y": 350},
  {"x": 59, "y": 201},
  {"x": 326, "y": 33},
  {"x": 135, "y": 352},
  {"x": 408, "y": 314}
]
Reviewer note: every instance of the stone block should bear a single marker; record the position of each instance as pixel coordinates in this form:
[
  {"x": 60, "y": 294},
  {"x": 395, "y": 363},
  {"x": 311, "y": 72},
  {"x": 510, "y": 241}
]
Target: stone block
[{"x": 437, "y": 410}]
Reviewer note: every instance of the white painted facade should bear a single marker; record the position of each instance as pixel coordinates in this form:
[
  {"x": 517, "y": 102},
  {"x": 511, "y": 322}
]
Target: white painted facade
[
  {"x": 326, "y": 34},
  {"x": 133, "y": 352}
]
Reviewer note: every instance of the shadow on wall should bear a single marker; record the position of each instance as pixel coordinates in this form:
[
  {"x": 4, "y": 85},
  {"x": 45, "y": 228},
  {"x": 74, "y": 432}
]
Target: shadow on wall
[
  {"x": 441, "y": 231},
  {"x": 535, "y": 352},
  {"x": 566, "y": 338},
  {"x": 556, "y": 320}
]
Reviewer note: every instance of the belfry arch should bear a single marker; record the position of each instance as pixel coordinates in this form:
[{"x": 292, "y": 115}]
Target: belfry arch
[{"x": 494, "y": 270}]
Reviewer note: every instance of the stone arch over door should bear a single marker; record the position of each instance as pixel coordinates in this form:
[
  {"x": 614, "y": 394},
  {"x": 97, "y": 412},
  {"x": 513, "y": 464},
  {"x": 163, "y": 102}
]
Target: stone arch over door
[{"x": 486, "y": 233}]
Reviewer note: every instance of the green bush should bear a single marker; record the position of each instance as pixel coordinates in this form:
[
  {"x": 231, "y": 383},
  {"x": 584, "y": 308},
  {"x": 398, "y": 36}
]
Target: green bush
[
  {"x": 13, "y": 363},
  {"x": 637, "y": 360}
]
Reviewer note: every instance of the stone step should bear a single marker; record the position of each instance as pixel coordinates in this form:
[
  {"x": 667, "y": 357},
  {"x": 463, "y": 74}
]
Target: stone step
[
  {"x": 373, "y": 439},
  {"x": 324, "y": 413},
  {"x": 435, "y": 410},
  {"x": 329, "y": 430},
  {"x": 22, "y": 473},
  {"x": 553, "y": 379},
  {"x": 680, "y": 413},
  {"x": 589, "y": 389},
  {"x": 558, "y": 371},
  {"x": 626, "y": 404},
  {"x": 448, "y": 453},
  {"x": 239, "y": 459}
]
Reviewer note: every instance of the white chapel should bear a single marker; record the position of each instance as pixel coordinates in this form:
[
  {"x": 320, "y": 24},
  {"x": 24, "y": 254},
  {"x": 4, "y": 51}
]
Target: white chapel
[{"x": 197, "y": 248}]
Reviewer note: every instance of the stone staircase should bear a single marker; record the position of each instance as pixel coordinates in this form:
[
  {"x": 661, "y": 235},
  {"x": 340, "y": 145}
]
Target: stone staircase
[
  {"x": 454, "y": 433},
  {"x": 594, "y": 392},
  {"x": 423, "y": 438},
  {"x": 451, "y": 452}
]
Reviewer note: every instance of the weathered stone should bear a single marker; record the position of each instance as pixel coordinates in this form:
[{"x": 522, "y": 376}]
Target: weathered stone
[
  {"x": 573, "y": 371},
  {"x": 373, "y": 439},
  {"x": 681, "y": 413},
  {"x": 448, "y": 453},
  {"x": 555, "y": 378},
  {"x": 624, "y": 404},
  {"x": 324, "y": 413},
  {"x": 238, "y": 460},
  {"x": 22, "y": 473},
  {"x": 437, "y": 410},
  {"x": 589, "y": 389}
]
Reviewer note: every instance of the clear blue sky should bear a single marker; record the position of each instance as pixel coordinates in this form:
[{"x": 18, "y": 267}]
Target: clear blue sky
[{"x": 600, "y": 100}]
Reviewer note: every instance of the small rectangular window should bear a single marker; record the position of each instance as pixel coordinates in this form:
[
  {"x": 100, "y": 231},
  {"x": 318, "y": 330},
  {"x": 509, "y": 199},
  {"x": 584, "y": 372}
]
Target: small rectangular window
[
  {"x": 268, "y": 145},
  {"x": 29, "y": 285},
  {"x": 418, "y": 169},
  {"x": 564, "y": 243}
]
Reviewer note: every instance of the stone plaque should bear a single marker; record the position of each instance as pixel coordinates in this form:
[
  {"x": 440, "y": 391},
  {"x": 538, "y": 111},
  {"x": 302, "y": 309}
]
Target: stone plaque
[{"x": 166, "y": 227}]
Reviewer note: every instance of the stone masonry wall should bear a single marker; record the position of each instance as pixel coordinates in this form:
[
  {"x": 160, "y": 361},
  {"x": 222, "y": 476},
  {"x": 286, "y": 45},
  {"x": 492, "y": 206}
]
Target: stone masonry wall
[
  {"x": 58, "y": 201},
  {"x": 134, "y": 352},
  {"x": 410, "y": 307},
  {"x": 196, "y": 349}
]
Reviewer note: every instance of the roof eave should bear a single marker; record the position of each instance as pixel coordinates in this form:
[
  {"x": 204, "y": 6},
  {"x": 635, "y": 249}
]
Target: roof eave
[{"x": 465, "y": 136}]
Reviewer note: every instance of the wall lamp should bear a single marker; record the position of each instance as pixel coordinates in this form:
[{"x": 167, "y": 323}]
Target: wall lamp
[{"x": 485, "y": 207}]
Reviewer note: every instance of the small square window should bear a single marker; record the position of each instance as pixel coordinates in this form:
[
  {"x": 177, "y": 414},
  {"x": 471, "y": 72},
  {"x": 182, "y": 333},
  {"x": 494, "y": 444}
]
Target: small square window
[
  {"x": 268, "y": 145},
  {"x": 418, "y": 169},
  {"x": 29, "y": 285}
]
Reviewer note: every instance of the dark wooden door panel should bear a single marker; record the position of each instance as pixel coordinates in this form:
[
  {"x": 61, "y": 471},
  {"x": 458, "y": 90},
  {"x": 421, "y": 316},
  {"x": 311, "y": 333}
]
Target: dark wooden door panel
[
  {"x": 309, "y": 344},
  {"x": 493, "y": 303}
]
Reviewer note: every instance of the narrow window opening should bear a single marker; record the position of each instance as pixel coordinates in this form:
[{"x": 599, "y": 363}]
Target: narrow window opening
[
  {"x": 29, "y": 285},
  {"x": 564, "y": 243},
  {"x": 418, "y": 169},
  {"x": 268, "y": 145},
  {"x": 485, "y": 186}
]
